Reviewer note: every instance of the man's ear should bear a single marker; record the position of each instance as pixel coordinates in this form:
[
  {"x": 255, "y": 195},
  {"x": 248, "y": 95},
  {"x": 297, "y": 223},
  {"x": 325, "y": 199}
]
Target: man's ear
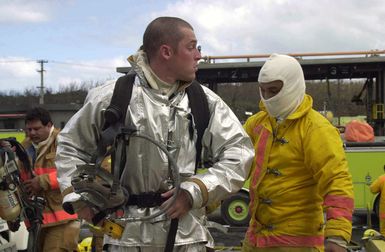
[
  {"x": 49, "y": 124},
  {"x": 166, "y": 51}
]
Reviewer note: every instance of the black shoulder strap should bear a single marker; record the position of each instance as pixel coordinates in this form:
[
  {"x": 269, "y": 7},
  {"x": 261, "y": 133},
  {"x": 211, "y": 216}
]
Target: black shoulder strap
[
  {"x": 115, "y": 114},
  {"x": 200, "y": 110},
  {"x": 120, "y": 100}
]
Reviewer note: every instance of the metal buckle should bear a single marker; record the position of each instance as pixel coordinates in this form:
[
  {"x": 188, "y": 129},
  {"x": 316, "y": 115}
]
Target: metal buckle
[
  {"x": 273, "y": 171},
  {"x": 265, "y": 201}
]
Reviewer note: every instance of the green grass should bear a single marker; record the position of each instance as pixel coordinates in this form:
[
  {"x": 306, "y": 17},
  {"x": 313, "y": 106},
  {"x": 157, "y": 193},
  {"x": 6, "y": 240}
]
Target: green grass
[{"x": 18, "y": 134}]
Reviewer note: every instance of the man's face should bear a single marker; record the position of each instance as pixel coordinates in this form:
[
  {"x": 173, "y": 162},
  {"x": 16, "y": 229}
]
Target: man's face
[
  {"x": 186, "y": 56},
  {"x": 270, "y": 89},
  {"x": 36, "y": 131}
]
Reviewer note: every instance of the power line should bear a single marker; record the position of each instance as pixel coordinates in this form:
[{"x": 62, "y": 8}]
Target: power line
[
  {"x": 79, "y": 64},
  {"x": 58, "y": 62},
  {"x": 42, "y": 70}
]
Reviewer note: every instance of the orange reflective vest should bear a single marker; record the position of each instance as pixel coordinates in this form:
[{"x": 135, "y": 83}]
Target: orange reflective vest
[
  {"x": 300, "y": 189},
  {"x": 44, "y": 167}
]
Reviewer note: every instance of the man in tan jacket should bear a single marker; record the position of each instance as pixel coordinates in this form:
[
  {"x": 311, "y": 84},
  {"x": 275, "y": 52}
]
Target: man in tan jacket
[{"x": 60, "y": 230}]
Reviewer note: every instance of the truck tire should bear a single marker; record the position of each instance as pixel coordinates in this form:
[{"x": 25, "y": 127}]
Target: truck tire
[
  {"x": 376, "y": 210},
  {"x": 235, "y": 209},
  {"x": 376, "y": 204}
]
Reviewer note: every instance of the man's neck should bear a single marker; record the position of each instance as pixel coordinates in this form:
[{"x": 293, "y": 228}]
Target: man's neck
[
  {"x": 162, "y": 72},
  {"x": 160, "y": 84}
]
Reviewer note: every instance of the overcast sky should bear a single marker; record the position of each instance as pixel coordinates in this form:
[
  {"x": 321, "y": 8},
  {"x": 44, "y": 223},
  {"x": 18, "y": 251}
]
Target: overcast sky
[{"x": 85, "y": 40}]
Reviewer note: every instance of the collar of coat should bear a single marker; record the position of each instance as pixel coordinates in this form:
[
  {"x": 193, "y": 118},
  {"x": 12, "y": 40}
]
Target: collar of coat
[
  {"x": 302, "y": 109},
  {"x": 51, "y": 139},
  {"x": 139, "y": 60}
]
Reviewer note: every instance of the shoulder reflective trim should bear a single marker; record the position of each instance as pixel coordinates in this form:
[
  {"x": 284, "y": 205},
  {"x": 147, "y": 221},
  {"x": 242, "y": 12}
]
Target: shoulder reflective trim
[
  {"x": 44, "y": 170},
  {"x": 335, "y": 213},
  {"x": 68, "y": 190},
  {"x": 203, "y": 188},
  {"x": 338, "y": 201},
  {"x": 53, "y": 180},
  {"x": 49, "y": 217},
  {"x": 259, "y": 159},
  {"x": 257, "y": 129}
]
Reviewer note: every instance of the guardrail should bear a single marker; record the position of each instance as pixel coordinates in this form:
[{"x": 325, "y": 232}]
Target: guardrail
[{"x": 247, "y": 57}]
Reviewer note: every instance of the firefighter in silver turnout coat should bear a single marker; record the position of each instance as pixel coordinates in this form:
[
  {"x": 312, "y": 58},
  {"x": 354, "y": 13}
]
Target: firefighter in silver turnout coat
[{"x": 166, "y": 119}]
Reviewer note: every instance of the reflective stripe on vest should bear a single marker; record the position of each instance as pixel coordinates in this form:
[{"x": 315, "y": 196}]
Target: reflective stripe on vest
[
  {"x": 338, "y": 206},
  {"x": 49, "y": 217}
]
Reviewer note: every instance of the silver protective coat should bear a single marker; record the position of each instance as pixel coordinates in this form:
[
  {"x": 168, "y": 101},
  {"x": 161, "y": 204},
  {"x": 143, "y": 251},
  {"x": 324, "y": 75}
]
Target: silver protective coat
[{"x": 168, "y": 121}]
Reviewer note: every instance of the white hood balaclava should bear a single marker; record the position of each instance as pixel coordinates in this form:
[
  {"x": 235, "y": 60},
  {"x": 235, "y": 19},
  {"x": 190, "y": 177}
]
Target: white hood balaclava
[{"x": 289, "y": 71}]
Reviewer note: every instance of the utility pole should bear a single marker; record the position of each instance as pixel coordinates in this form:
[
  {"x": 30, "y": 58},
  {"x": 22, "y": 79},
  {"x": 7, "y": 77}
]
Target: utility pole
[{"x": 41, "y": 71}]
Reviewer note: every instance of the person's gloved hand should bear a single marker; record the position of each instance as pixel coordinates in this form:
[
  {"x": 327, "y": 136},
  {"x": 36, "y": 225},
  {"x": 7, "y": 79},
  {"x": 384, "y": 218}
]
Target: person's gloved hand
[
  {"x": 32, "y": 186},
  {"x": 86, "y": 213},
  {"x": 4, "y": 143},
  {"x": 180, "y": 206},
  {"x": 335, "y": 244},
  {"x": 13, "y": 225}
]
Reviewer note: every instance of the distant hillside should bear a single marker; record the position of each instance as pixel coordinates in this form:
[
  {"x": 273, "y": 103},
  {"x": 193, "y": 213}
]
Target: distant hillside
[
  {"x": 241, "y": 97},
  {"x": 71, "y": 94}
]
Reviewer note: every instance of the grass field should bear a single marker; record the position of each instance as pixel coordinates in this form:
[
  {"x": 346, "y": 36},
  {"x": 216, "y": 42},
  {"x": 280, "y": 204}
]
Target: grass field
[{"x": 18, "y": 134}]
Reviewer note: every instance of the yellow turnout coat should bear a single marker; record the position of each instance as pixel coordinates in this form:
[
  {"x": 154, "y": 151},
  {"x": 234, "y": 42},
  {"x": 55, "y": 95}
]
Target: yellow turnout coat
[
  {"x": 378, "y": 186},
  {"x": 300, "y": 188}
]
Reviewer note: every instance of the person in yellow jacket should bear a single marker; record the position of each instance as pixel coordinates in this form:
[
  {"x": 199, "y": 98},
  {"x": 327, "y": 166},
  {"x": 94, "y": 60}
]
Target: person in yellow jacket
[
  {"x": 378, "y": 186},
  {"x": 301, "y": 192},
  {"x": 59, "y": 230}
]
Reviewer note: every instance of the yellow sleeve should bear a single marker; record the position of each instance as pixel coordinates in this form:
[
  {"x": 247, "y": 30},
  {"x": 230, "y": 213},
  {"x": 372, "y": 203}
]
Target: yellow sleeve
[
  {"x": 377, "y": 185},
  {"x": 325, "y": 156},
  {"x": 248, "y": 126}
]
